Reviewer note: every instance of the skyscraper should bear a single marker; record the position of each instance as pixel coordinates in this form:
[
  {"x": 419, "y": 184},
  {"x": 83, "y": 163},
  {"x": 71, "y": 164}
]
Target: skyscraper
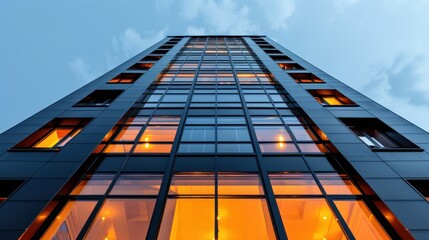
[{"x": 214, "y": 137}]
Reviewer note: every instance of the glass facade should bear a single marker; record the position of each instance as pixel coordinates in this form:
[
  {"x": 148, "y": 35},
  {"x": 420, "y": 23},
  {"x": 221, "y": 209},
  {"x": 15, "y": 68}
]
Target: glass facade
[{"x": 215, "y": 146}]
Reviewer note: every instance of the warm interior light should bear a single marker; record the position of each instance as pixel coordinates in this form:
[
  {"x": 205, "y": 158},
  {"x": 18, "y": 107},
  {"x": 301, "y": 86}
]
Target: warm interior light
[
  {"x": 281, "y": 138},
  {"x": 146, "y": 145}
]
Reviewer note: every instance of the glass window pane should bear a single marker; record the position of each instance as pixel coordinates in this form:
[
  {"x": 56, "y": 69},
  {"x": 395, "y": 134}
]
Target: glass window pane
[
  {"x": 239, "y": 184},
  {"x": 266, "y": 120},
  {"x": 310, "y": 147},
  {"x": 118, "y": 148},
  {"x": 94, "y": 185},
  {"x": 244, "y": 219},
  {"x": 198, "y": 134},
  {"x": 313, "y": 215},
  {"x": 138, "y": 120},
  {"x": 228, "y": 98},
  {"x": 175, "y": 98},
  {"x": 159, "y": 134},
  {"x": 256, "y": 98},
  {"x": 165, "y": 120},
  {"x": 53, "y": 138},
  {"x": 233, "y": 134},
  {"x": 360, "y": 220},
  {"x": 153, "y": 148},
  {"x": 231, "y": 120},
  {"x": 294, "y": 184},
  {"x": 122, "y": 219},
  {"x": 300, "y": 133},
  {"x": 196, "y": 148},
  {"x": 234, "y": 148},
  {"x": 200, "y": 120},
  {"x": 203, "y": 98},
  {"x": 272, "y": 133},
  {"x": 188, "y": 218},
  {"x": 331, "y": 100},
  {"x": 70, "y": 221},
  {"x": 137, "y": 184},
  {"x": 291, "y": 120},
  {"x": 192, "y": 184},
  {"x": 128, "y": 133},
  {"x": 284, "y": 147},
  {"x": 335, "y": 183}
]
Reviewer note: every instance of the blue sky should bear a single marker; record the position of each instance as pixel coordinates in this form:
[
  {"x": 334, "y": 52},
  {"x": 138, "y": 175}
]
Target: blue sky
[{"x": 51, "y": 48}]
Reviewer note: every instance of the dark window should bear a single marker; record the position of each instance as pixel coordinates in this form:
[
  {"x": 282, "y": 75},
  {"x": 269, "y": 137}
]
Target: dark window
[
  {"x": 328, "y": 97},
  {"x": 305, "y": 78},
  {"x": 7, "y": 187},
  {"x": 376, "y": 134},
  {"x": 141, "y": 66},
  {"x": 125, "y": 78},
  {"x": 290, "y": 66},
  {"x": 54, "y": 134},
  {"x": 422, "y": 186},
  {"x": 99, "y": 98}
]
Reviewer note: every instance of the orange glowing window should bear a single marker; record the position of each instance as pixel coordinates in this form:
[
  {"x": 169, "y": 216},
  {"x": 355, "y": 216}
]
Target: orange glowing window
[
  {"x": 118, "y": 148},
  {"x": 128, "y": 133},
  {"x": 328, "y": 97},
  {"x": 137, "y": 184},
  {"x": 360, "y": 220},
  {"x": 192, "y": 184},
  {"x": 239, "y": 184},
  {"x": 152, "y": 148},
  {"x": 244, "y": 219},
  {"x": 54, "y": 134},
  {"x": 284, "y": 147},
  {"x": 305, "y": 78},
  {"x": 93, "y": 185},
  {"x": 335, "y": 183},
  {"x": 122, "y": 219},
  {"x": 294, "y": 184},
  {"x": 125, "y": 78},
  {"x": 312, "y": 215},
  {"x": 137, "y": 120},
  {"x": 70, "y": 221},
  {"x": 159, "y": 134},
  {"x": 188, "y": 218}
]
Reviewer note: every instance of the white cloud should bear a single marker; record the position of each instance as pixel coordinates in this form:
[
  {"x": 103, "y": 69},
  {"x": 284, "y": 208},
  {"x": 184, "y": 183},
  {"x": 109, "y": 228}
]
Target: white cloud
[
  {"x": 82, "y": 70},
  {"x": 191, "y": 30},
  {"x": 132, "y": 42},
  {"x": 277, "y": 12},
  {"x": 221, "y": 17}
]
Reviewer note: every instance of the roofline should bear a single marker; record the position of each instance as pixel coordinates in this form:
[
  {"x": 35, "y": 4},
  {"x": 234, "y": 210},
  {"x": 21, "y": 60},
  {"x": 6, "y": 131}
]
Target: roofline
[{"x": 216, "y": 35}]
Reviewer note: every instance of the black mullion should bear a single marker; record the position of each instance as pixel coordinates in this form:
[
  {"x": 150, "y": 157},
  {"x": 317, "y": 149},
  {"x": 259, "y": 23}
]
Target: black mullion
[
  {"x": 269, "y": 194},
  {"x": 155, "y": 222}
]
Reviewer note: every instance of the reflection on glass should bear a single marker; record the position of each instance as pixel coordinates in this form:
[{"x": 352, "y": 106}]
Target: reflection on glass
[
  {"x": 231, "y": 120},
  {"x": 233, "y": 134},
  {"x": 285, "y": 147},
  {"x": 311, "y": 147},
  {"x": 94, "y": 185},
  {"x": 128, "y": 133},
  {"x": 198, "y": 134},
  {"x": 188, "y": 219},
  {"x": 196, "y": 148},
  {"x": 137, "y": 184},
  {"x": 53, "y": 138},
  {"x": 272, "y": 133},
  {"x": 118, "y": 148},
  {"x": 122, "y": 219},
  {"x": 239, "y": 184},
  {"x": 192, "y": 184},
  {"x": 294, "y": 184},
  {"x": 234, "y": 147},
  {"x": 301, "y": 133},
  {"x": 335, "y": 183},
  {"x": 152, "y": 148},
  {"x": 137, "y": 120},
  {"x": 360, "y": 220},
  {"x": 266, "y": 120},
  {"x": 70, "y": 221},
  {"x": 165, "y": 120},
  {"x": 244, "y": 219},
  {"x": 159, "y": 134},
  {"x": 307, "y": 218}
]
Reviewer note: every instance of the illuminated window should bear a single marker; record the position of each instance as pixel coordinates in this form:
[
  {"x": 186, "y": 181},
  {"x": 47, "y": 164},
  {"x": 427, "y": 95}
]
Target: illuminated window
[
  {"x": 272, "y": 133},
  {"x": 281, "y": 147},
  {"x": 125, "y": 78},
  {"x": 290, "y": 66},
  {"x": 8, "y": 187},
  {"x": 192, "y": 184},
  {"x": 153, "y": 148},
  {"x": 122, "y": 219},
  {"x": 331, "y": 98},
  {"x": 360, "y": 220},
  {"x": 294, "y": 184},
  {"x": 335, "y": 183},
  {"x": 128, "y": 133},
  {"x": 93, "y": 185},
  {"x": 53, "y": 135},
  {"x": 137, "y": 184},
  {"x": 159, "y": 134},
  {"x": 99, "y": 98},
  {"x": 70, "y": 221},
  {"x": 376, "y": 134},
  {"x": 118, "y": 148},
  {"x": 309, "y": 218},
  {"x": 239, "y": 184},
  {"x": 305, "y": 78}
]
